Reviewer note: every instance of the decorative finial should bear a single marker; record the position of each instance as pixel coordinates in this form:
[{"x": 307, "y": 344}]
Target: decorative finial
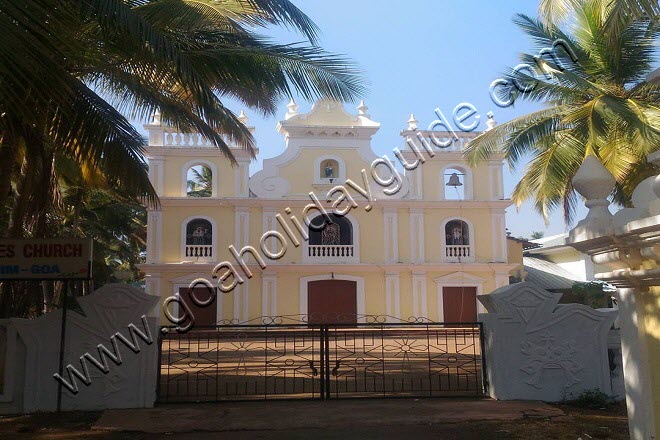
[
  {"x": 412, "y": 122},
  {"x": 156, "y": 118},
  {"x": 243, "y": 118},
  {"x": 491, "y": 122},
  {"x": 362, "y": 109},
  {"x": 292, "y": 109}
]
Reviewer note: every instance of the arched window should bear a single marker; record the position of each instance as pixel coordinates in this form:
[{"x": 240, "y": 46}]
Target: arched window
[
  {"x": 199, "y": 239},
  {"x": 457, "y": 232},
  {"x": 456, "y": 183},
  {"x": 199, "y": 181},
  {"x": 338, "y": 232},
  {"x": 458, "y": 242},
  {"x": 332, "y": 242},
  {"x": 329, "y": 170}
]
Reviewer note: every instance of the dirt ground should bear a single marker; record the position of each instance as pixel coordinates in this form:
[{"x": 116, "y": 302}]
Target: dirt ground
[{"x": 576, "y": 423}]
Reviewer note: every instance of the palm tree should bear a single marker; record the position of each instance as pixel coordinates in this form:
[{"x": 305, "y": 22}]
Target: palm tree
[
  {"x": 554, "y": 12},
  {"x": 72, "y": 69},
  {"x": 599, "y": 105}
]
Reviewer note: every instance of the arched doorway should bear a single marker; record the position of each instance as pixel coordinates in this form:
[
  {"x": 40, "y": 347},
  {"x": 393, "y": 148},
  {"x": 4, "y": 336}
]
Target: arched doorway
[{"x": 332, "y": 302}]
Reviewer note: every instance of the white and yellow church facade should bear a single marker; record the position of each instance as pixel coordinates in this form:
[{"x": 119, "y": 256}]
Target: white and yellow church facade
[{"x": 327, "y": 231}]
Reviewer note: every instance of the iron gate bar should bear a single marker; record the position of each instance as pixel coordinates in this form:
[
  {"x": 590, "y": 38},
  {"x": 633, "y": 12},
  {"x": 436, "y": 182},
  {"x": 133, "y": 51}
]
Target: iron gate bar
[{"x": 455, "y": 361}]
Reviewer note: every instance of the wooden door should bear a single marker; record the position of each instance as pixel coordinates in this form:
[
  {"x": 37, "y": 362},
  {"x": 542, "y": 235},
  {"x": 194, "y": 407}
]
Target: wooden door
[
  {"x": 332, "y": 302},
  {"x": 459, "y": 304},
  {"x": 204, "y": 316}
]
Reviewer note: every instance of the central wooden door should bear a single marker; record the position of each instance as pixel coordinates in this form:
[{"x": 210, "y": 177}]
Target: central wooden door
[
  {"x": 459, "y": 304},
  {"x": 332, "y": 302},
  {"x": 204, "y": 316}
]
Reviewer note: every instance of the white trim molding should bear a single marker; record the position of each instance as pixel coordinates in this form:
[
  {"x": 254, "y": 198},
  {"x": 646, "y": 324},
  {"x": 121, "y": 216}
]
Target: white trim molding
[
  {"x": 214, "y": 239},
  {"x": 361, "y": 297},
  {"x": 467, "y": 180},
  {"x": 199, "y": 162},
  {"x": 458, "y": 279}
]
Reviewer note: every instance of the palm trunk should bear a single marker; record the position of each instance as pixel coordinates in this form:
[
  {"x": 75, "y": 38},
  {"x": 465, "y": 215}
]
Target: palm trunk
[{"x": 9, "y": 155}]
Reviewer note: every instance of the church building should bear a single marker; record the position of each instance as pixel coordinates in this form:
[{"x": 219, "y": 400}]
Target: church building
[{"x": 327, "y": 231}]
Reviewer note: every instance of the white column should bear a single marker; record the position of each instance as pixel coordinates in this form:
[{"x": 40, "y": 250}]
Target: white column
[
  {"x": 269, "y": 294},
  {"x": 152, "y": 286},
  {"x": 499, "y": 236},
  {"x": 417, "y": 235},
  {"x": 392, "y": 295},
  {"x": 636, "y": 373},
  {"x": 416, "y": 183},
  {"x": 496, "y": 183},
  {"x": 242, "y": 177},
  {"x": 420, "y": 309},
  {"x": 154, "y": 236},
  {"x": 156, "y": 173},
  {"x": 391, "y": 220},
  {"x": 241, "y": 226},
  {"x": 241, "y": 302},
  {"x": 269, "y": 223}
]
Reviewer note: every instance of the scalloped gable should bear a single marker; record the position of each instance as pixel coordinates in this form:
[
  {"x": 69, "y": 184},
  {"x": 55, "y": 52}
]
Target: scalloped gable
[{"x": 326, "y": 131}]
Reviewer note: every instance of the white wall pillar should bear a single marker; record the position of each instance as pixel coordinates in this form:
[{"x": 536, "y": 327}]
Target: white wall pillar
[
  {"x": 269, "y": 223},
  {"x": 156, "y": 173},
  {"x": 269, "y": 294},
  {"x": 391, "y": 238},
  {"x": 499, "y": 236},
  {"x": 154, "y": 236},
  {"x": 242, "y": 177},
  {"x": 420, "y": 309},
  {"x": 496, "y": 182},
  {"x": 241, "y": 301},
  {"x": 241, "y": 226},
  {"x": 636, "y": 373},
  {"x": 417, "y": 235},
  {"x": 392, "y": 296}
]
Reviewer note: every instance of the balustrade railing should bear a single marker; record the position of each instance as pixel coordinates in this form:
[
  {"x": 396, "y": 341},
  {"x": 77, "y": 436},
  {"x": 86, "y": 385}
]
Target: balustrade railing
[
  {"x": 199, "y": 251},
  {"x": 334, "y": 253},
  {"x": 454, "y": 252}
]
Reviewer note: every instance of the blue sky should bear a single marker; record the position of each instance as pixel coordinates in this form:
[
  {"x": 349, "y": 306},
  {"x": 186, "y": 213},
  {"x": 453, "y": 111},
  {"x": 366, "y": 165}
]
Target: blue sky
[{"x": 418, "y": 56}]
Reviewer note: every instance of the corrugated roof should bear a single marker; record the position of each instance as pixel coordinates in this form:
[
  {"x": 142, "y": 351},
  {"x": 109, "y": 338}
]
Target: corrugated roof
[{"x": 548, "y": 274}]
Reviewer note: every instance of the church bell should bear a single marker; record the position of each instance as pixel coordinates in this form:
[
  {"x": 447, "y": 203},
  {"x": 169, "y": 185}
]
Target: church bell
[{"x": 454, "y": 180}]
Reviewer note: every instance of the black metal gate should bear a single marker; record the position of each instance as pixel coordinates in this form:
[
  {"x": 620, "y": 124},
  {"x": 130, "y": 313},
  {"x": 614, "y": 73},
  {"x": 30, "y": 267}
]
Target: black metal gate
[{"x": 247, "y": 362}]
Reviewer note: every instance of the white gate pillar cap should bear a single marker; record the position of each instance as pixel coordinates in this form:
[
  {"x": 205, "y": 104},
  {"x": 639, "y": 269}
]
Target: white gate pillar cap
[{"x": 595, "y": 183}]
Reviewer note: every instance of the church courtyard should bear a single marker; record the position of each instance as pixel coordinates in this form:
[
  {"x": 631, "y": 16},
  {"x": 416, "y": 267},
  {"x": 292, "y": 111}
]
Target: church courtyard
[{"x": 349, "y": 419}]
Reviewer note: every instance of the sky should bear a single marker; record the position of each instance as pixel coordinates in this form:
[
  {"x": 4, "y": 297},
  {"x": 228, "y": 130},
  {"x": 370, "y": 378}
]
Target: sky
[{"x": 417, "y": 56}]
